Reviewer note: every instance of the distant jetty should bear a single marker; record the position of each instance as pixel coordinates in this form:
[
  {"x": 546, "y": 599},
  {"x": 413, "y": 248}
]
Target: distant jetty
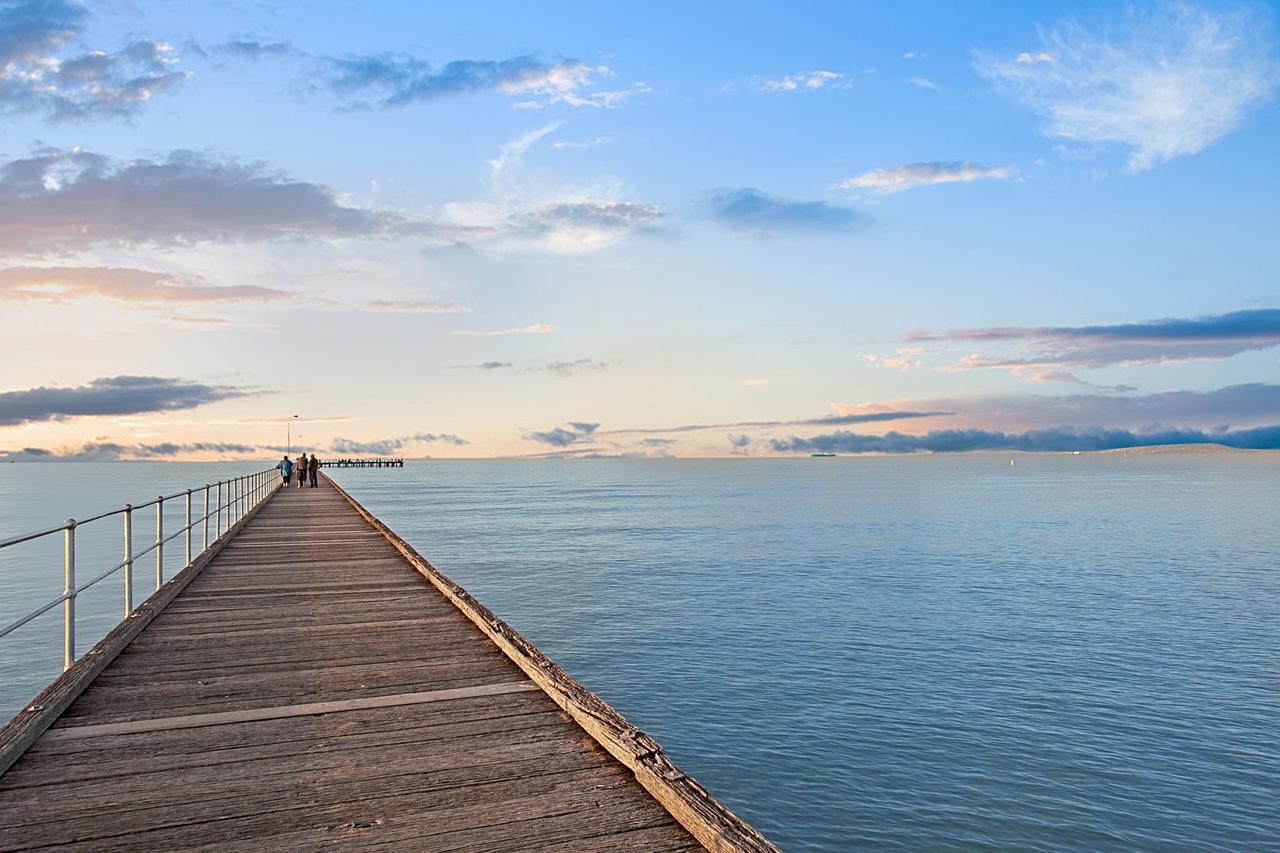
[{"x": 361, "y": 463}]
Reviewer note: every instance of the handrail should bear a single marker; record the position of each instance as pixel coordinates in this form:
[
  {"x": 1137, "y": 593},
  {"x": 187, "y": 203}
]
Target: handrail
[{"x": 235, "y": 498}]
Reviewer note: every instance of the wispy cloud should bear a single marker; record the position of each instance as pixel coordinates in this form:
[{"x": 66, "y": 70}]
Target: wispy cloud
[
  {"x": 749, "y": 210},
  {"x": 575, "y": 432},
  {"x": 396, "y": 80},
  {"x": 1240, "y": 405},
  {"x": 387, "y": 446},
  {"x": 533, "y": 329},
  {"x": 110, "y": 451},
  {"x": 923, "y": 83},
  {"x": 38, "y": 75},
  {"x": 255, "y": 49},
  {"x": 1164, "y": 82},
  {"x": 57, "y": 284},
  {"x": 574, "y": 227},
  {"x": 586, "y": 143},
  {"x": 580, "y": 365},
  {"x": 1046, "y": 351},
  {"x": 114, "y": 395},
  {"x": 905, "y": 359},
  {"x": 840, "y": 419},
  {"x": 807, "y": 81},
  {"x": 513, "y": 152},
  {"x": 912, "y": 175},
  {"x": 70, "y": 199},
  {"x": 419, "y": 307}
]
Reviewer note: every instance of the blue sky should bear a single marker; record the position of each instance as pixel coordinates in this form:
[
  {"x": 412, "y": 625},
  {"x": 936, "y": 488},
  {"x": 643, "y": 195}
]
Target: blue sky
[{"x": 1048, "y": 227}]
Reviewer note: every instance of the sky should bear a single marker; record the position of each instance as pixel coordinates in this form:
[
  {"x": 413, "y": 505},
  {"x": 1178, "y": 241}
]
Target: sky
[{"x": 727, "y": 229}]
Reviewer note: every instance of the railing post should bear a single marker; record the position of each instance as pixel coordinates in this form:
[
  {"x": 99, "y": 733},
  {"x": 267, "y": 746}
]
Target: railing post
[
  {"x": 205, "y": 526},
  {"x": 69, "y": 590},
  {"x": 188, "y": 527},
  {"x": 128, "y": 559},
  {"x": 160, "y": 542},
  {"x": 217, "y": 514}
]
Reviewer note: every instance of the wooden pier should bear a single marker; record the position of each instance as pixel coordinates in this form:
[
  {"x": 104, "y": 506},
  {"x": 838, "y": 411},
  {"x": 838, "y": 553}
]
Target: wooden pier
[
  {"x": 361, "y": 463},
  {"x": 313, "y": 682}
]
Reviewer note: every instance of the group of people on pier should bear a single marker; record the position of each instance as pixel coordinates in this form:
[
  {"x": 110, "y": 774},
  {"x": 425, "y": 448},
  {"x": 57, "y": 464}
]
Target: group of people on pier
[{"x": 307, "y": 469}]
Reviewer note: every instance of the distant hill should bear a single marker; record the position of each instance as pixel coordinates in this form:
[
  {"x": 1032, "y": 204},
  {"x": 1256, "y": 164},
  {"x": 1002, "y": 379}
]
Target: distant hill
[{"x": 1179, "y": 448}]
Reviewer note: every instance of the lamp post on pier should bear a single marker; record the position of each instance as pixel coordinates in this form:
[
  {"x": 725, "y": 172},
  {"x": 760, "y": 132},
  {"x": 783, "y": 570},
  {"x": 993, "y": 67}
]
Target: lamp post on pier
[{"x": 288, "y": 437}]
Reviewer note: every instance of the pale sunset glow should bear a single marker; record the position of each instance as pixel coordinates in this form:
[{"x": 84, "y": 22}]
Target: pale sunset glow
[{"x": 509, "y": 231}]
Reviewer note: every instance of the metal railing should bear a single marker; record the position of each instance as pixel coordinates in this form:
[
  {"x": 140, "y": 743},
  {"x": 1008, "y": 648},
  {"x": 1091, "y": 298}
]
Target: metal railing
[{"x": 233, "y": 499}]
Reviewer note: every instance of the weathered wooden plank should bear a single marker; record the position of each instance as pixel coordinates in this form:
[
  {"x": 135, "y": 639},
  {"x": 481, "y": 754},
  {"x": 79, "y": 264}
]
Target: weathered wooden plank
[{"x": 117, "y": 708}]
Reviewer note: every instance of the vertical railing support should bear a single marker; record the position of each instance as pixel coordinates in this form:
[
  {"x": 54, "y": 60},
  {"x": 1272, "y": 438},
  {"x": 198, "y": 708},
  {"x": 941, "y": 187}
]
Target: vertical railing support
[
  {"x": 217, "y": 514},
  {"x": 160, "y": 542},
  {"x": 69, "y": 590},
  {"x": 128, "y": 559},
  {"x": 188, "y": 527},
  {"x": 205, "y": 526}
]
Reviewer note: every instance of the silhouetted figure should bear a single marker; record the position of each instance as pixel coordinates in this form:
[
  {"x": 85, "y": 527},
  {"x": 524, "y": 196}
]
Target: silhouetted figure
[{"x": 313, "y": 468}]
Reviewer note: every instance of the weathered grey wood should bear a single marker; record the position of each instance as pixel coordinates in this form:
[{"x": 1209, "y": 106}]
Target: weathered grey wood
[
  {"x": 192, "y": 721},
  {"x": 315, "y": 687}
]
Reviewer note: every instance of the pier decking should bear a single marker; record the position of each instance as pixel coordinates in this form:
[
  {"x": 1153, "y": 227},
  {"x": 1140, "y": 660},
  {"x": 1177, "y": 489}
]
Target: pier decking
[{"x": 318, "y": 684}]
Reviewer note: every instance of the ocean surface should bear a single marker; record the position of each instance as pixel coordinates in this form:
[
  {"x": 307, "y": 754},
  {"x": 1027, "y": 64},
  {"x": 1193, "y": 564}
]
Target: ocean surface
[{"x": 1073, "y": 653}]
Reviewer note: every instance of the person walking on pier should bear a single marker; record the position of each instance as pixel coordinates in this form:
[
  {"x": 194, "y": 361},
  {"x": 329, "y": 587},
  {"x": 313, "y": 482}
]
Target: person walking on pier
[
  {"x": 286, "y": 468},
  {"x": 302, "y": 470},
  {"x": 313, "y": 469}
]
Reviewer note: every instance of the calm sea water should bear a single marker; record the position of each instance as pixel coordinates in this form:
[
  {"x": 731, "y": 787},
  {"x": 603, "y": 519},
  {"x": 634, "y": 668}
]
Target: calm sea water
[{"x": 915, "y": 653}]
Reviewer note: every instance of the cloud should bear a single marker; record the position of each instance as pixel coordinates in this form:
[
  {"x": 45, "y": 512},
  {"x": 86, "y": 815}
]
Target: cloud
[
  {"x": 534, "y": 329},
  {"x": 751, "y": 211},
  {"x": 568, "y": 368},
  {"x": 397, "y": 80},
  {"x": 575, "y": 433},
  {"x": 109, "y": 451},
  {"x": 923, "y": 83},
  {"x": 807, "y": 81},
  {"x": 114, "y": 395},
  {"x": 387, "y": 446},
  {"x": 912, "y": 175},
  {"x": 907, "y": 358},
  {"x": 64, "y": 199},
  {"x": 513, "y": 152},
  {"x": 422, "y": 307},
  {"x": 1246, "y": 404},
  {"x": 839, "y": 419},
  {"x": 1049, "y": 348},
  {"x": 1060, "y": 439},
  {"x": 589, "y": 143},
  {"x": 254, "y": 49},
  {"x": 1162, "y": 83},
  {"x": 56, "y": 284},
  {"x": 494, "y": 365},
  {"x": 35, "y": 78},
  {"x": 582, "y": 226},
  {"x": 740, "y": 443}
]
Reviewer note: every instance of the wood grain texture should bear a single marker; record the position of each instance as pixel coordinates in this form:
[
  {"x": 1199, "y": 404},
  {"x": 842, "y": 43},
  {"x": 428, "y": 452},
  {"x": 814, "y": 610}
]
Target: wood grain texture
[{"x": 309, "y": 688}]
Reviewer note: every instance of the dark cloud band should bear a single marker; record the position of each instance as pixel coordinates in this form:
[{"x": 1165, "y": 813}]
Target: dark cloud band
[{"x": 116, "y": 395}]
